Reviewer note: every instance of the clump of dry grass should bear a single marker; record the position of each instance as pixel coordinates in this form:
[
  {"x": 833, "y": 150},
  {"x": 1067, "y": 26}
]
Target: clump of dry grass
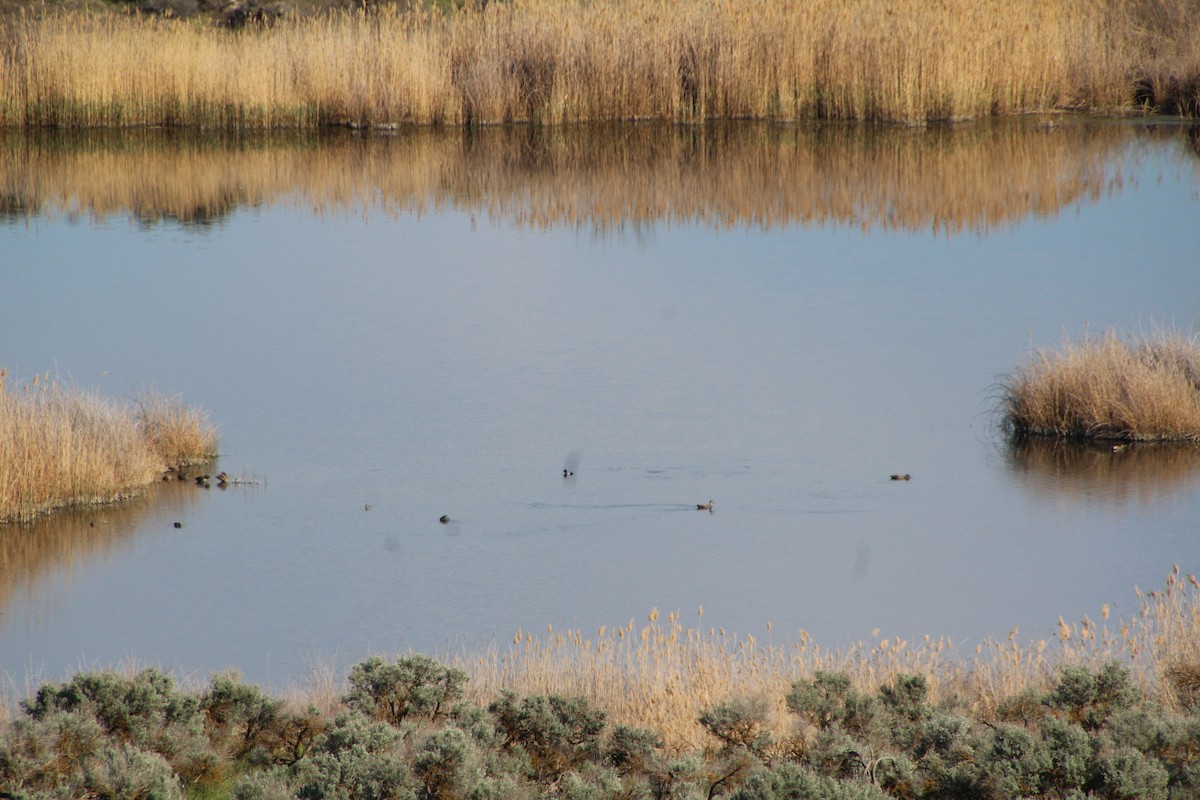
[
  {"x": 61, "y": 445},
  {"x": 661, "y": 675},
  {"x": 550, "y": 61},
  {"x": 1106, "y": 387}
]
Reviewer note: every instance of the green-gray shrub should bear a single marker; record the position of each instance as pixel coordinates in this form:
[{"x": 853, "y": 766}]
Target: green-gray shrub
[
  {"x": 1069, "y": 753},
  {"x": 132, "y": 709},
  {"x": 443, "y": 764},
  {"x": 906, "y": 697},
  {"x": 633, "y": 750},
  {"x": 1088, "y": 697},
  {"x": 556, "y": 733},
  {"x": 1123, "y": 773},
  {"x": 834, "y": 753},
  {"x": 38, "y": 755},
  {"x": 740, "y": 722},
  {"x": 790, "y": 781},
  {"x": 123, "y": 771},
  {"x": 264, "y": 784},
  {"x": 413, "y": 685},
  {"x": 820, "y": 700},
  {"x": 1013, "y": 763},
  {"x": 242, "y": 717},
  {"x": 357, "y": 759}
]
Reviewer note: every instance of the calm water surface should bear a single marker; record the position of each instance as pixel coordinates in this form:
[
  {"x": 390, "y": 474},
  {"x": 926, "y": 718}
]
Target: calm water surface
[{"x": 774, "y": 318}]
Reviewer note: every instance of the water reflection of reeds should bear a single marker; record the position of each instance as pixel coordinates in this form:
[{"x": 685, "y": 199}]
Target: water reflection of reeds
[
  {"x": 61, "y": 543},
  {"x": 1116, "y": 475},
  {"x": 950, "y": 180}
]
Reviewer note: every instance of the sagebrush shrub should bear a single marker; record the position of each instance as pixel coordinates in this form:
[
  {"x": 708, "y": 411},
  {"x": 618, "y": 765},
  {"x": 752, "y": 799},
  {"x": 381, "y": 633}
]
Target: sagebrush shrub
[
  {"x": 415, "y": 685},
  {"x": 556, "y": 733}
]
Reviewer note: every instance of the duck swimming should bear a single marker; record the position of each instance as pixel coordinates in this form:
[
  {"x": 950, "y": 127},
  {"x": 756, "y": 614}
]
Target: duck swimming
[{"x": 704, "y": 506}]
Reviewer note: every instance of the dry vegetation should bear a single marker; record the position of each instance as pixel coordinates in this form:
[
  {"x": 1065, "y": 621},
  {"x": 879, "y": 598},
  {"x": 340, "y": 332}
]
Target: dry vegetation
[
  {"x": 661, "y": 676},
  {"x": 1104, "y": 387},
  {"x": 61, "y": 446},
  {"x": 550, "y": 61},
  {"x": 975, "y": 178}
]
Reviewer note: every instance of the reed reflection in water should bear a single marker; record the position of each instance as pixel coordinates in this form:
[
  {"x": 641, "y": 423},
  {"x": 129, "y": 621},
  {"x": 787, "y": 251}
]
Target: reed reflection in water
[
  {"x": 31, "y": 553},
  {"x": 1115, "y": 475},
  {"x": 951, "y": 180}
]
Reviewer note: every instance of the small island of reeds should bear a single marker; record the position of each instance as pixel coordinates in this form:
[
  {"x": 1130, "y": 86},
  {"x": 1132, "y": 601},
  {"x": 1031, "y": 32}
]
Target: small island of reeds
[
  {"x": 64, "y": 446},
  {"x": 1108, "y": 387}
]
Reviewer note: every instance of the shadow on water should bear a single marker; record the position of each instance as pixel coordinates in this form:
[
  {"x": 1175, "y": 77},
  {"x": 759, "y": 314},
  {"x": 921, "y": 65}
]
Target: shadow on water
[
  {"x": 64, "y": 542},
  {"x": 1115, "y": 475},
  {"x": 603, "y": 178}
]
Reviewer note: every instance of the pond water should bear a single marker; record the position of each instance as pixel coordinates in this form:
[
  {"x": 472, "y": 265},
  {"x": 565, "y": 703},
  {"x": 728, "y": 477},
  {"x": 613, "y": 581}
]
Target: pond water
[{"x": 773, "y": 317}]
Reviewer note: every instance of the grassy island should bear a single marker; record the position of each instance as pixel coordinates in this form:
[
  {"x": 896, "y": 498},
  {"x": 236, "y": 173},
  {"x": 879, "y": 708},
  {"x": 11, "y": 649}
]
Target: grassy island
[
  {"x": 1106, "y": 387},
  {"x": 63, "y": 446},
  {"x": 565, "y": 61},
  {"x": 662, "y": 713}
]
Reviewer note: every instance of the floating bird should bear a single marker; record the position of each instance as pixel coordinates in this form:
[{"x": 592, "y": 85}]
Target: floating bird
[
  {"x": 567, "y": 473},
  {"x": 222, "y": 478},
  {"x": 367, "y": 507},
  {"x": 904, "y": 477},
  {"x": 202, "y": 480},
  {"x": 443, "y": 519},
  {"x": 704, "y": 506},
  {"x": 178, "y": 524},
  {"x": 1119, "y": 447}
]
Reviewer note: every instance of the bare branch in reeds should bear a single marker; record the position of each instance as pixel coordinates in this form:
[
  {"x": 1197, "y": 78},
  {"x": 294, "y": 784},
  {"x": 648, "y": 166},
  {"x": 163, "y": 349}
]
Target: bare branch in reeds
[{"x": 1105, "y": 387}]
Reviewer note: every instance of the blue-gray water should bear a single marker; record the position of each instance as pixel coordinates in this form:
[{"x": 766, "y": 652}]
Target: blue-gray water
[{"x": 448, "y": 348}]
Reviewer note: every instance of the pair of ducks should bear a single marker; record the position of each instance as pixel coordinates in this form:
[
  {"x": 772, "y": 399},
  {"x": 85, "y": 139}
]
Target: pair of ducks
[{"x": 222, "y": 480}]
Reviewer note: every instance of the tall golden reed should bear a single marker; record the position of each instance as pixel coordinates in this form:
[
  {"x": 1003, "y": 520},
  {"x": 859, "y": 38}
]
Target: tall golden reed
[
  {"x": 1106, "y": 387},
  {"x": 662, "y": 675},
  {"x": 61, "y": 445},
  {"x": 551, "y": 61}
]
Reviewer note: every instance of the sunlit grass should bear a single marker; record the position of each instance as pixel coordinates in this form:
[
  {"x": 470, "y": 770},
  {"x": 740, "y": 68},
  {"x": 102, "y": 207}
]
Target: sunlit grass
[
  {"x": 662, "y": 673},
  {"x": 61, "y": 445},
  {"x": 551, "y": 61},
  {"x": 1107, "y": 387}
]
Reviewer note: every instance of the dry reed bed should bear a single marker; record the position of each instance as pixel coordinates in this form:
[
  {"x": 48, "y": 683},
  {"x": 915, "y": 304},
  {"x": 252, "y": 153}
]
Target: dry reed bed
[
  {"x": 1106, "y": 387},
  {"x": 61, "y": 446},
  {"x": 662, "y": 675},
  {"x": 973, "y": 178},
  {"x": 550, "y": 61}
]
